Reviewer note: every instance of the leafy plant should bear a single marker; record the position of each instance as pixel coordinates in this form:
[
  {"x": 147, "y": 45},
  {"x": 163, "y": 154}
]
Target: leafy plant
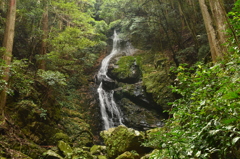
[
  {"x": 21, "y": 80},
  {"x": 52, "y": 77},
  {"x": 205, "y": 120}
]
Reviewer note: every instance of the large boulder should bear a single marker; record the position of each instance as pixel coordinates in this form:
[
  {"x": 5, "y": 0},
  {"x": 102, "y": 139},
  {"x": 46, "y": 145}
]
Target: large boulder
[
  {"x": 128, "y": 155},
  {"x": 98, "y": 150},
  {"x": 139, "y": 116},
  {"x": 134, "y": 91},
  {"x": 125, "y": 69},
  {"x": 121, "y": 139},
  {"x": 65, "y": 148}
]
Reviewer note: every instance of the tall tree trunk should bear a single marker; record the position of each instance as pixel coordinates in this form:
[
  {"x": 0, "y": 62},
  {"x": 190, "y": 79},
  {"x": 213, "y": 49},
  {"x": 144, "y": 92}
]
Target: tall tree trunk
[
  {"x": 7, "y": 57},
  {"x": 220, "y": 20},
  {"x": 211, "y": 32},
  {"x": 42, "y": 62},
  {"x": 215, "y": 23}
]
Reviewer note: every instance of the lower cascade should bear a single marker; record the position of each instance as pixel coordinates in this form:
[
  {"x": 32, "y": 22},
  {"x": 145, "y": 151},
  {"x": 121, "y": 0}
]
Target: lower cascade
[{"x": 111, "y": 114}]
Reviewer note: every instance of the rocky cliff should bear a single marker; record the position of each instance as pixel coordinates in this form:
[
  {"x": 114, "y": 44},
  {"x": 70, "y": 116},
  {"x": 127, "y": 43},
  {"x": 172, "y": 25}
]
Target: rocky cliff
[{"x": 140, "y": 110}]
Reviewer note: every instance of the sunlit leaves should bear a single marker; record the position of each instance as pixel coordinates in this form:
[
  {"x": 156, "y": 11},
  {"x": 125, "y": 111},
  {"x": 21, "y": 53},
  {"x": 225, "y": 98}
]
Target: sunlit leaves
[{"x": 52, "y": 77}]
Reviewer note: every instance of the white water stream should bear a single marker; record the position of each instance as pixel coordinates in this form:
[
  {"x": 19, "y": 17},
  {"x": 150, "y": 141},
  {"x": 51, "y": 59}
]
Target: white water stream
[{"x": 111, "y": 114}]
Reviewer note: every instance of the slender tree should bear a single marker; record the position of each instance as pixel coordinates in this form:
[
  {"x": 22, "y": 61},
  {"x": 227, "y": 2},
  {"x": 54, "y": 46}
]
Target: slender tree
[
  {"x": 7, "y": 56},
  {"x": 189, "y": 20}
]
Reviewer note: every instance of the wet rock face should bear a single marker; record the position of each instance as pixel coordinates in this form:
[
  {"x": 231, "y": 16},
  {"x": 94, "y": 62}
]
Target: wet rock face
[
  {"x": 138, "y": 108},
  {"x": 139, "y": 117}
]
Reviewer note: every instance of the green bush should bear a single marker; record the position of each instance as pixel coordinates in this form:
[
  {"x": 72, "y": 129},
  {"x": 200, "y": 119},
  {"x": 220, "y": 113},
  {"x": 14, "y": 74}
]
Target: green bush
[{"x": 205, "y": 121}]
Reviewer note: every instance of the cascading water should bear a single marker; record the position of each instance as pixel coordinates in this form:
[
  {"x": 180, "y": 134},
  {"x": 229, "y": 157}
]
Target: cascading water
[{"x": 111, "y": 114}]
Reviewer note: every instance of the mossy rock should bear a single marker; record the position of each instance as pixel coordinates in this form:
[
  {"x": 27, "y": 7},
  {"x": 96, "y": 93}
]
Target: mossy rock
[
  {"x": 139, "y": 117},
  {"x": 79, "y": 153},
  {"x": 121, "y": 139},
  {"x": 98, "y": 150},
  {"x": 61, "y": 136},
  {"x": 50, "y": 154},
  {"x": 135, "y": 91},
  {"x": 128, "y": 155},
  {"x": 101, "y": 157},
  {"x": 157, "y": 84},
  {"x": 125, "y": 69},
  {"x": 65, "y": 148}
]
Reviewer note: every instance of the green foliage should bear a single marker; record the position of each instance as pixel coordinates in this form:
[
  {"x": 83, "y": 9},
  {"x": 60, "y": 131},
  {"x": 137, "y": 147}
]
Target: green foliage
[
  {"x": 76, "y": 13},
  {"x": 101, "y": 26},
  {"x": 69, "y": 50},
  {"x": 115, "y": 24},
  {"x": 21, "y": 79},
  {"x": 205, "y": 120},
  {"x": 43, "y": 113},
  {"x": 234, "y": 20},
  {"x": 52, "y": 77}
]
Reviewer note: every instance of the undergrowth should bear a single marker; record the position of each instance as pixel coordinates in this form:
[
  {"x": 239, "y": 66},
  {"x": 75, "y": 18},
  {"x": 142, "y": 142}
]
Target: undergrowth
[{"x": 205, "y": 121}]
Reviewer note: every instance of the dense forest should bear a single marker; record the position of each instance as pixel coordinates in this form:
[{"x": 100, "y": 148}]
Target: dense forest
[{"x": 182, "y": 79}]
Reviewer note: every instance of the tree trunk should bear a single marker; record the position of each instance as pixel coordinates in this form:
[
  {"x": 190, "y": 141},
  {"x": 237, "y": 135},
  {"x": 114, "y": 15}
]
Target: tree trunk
[
  {"x": 42, "y": 62},
  {"x": 220, "y": 21},
  {"x": 215, "y": 45},
  {"x": 7, "y": 57}
]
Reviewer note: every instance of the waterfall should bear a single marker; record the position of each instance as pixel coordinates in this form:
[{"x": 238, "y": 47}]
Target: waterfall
[{"x": 111, "y": 114}]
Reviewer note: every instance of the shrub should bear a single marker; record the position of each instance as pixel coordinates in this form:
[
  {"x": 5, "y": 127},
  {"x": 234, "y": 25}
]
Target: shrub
[{"x": 205, "y": 121}]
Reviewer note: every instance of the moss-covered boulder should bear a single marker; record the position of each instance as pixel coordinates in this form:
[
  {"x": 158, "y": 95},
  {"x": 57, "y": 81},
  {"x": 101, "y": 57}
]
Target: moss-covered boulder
[
  {"x": 135, "y": 91},
  {"x": 65, "y": 148},
  {"x": 65, "y": 151},
  {"x": 121, "y": 139},
  {"x": 157, "y": 81},
  {"x": 98, "y": 150},
  {"x": 138, "y": 116},
  {"x": 61, "y": 136},
  {"x": 101, "y": 157},
  {"x": 125, "y": 69},
  {"x": 50, "y": 154},
  {"x": 79, "y": 153},
  {"x": 129, "y": 155}
]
